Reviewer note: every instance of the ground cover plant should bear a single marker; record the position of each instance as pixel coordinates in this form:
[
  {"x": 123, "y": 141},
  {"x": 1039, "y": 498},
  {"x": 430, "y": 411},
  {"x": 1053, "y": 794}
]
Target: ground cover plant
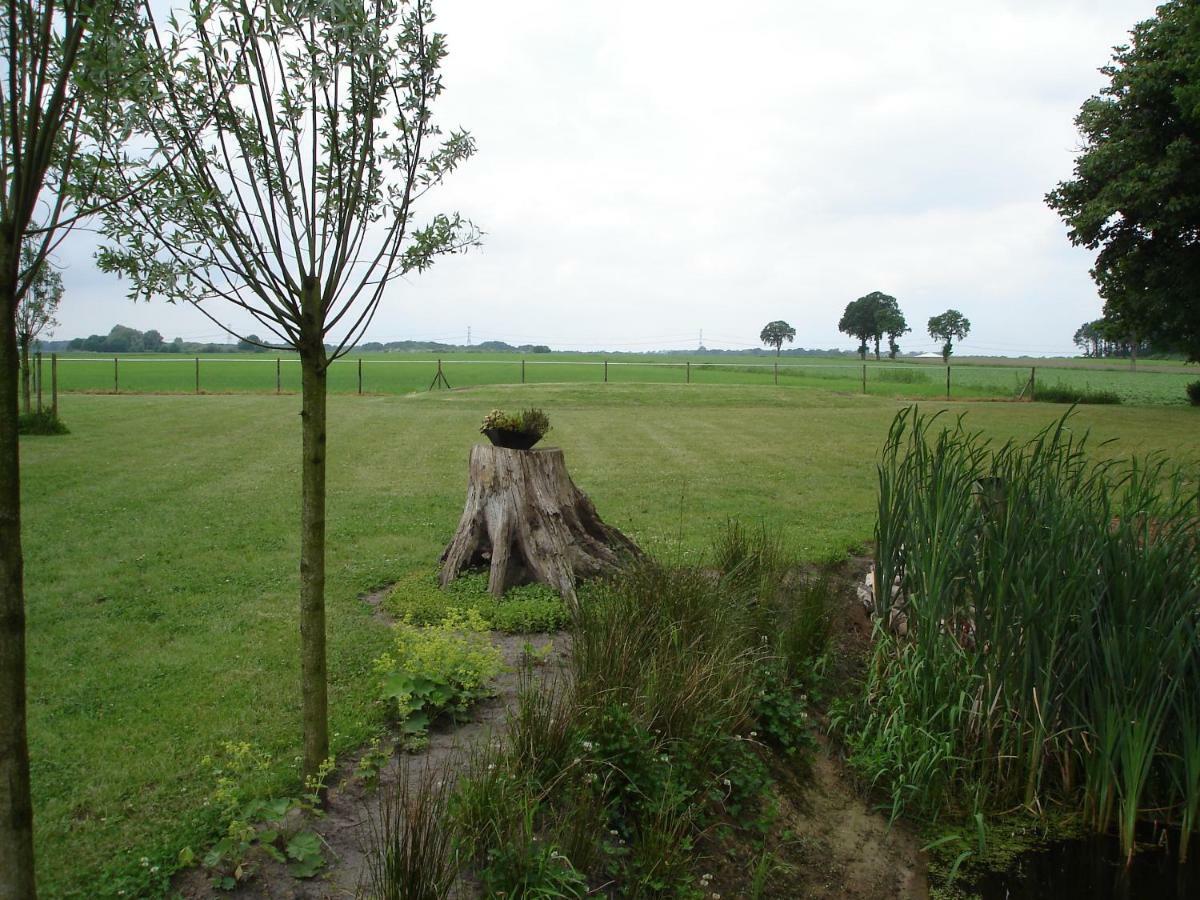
[
  {"x": 1039, "y": 648},
  {"x": 525, "y": 609},
  {"x": 160, "y": 563}
]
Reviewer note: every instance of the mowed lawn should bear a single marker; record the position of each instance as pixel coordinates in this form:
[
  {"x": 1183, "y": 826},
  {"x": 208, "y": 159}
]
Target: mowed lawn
[{"x": 161, "y": 559}]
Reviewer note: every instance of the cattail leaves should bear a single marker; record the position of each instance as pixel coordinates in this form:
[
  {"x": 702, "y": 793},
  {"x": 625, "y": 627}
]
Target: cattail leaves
[{"x": 1052, "y": 604}]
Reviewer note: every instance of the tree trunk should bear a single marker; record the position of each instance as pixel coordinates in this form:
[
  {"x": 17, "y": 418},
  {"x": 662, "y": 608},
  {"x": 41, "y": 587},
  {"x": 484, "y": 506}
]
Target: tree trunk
[
  {"x": 26, "y": 397},
  {"x": 16, "y": 806},
  {"x": 529, "y": 521},
  {"x": 313, "y": 686}
]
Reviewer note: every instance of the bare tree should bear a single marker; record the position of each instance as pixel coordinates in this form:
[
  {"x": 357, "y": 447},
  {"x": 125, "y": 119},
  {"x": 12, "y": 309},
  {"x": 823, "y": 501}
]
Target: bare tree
[
  {"x": 60, "y": 59},
  {"x": 35, "y": 312},
  {"x": 295, "y": 140}
]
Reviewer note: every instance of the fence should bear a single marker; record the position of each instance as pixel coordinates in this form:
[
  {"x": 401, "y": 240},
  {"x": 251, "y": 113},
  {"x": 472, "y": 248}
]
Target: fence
[{"x": 218, "y": 374}]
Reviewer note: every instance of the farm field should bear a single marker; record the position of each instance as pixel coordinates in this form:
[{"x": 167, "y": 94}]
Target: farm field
[
  {"x": 1154, "y": 382},
  {"x": 161, "y": 547}
]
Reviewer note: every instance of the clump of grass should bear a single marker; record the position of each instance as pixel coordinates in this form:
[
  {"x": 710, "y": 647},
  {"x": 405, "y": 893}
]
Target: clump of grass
[
  {"x": 410, "y": 853},
  {"x": 41, "y": 421},
  {"x": 1053, "y": 608},
  {"x": 1061, "y": 393},
  {"x": 902, "y": 376}
]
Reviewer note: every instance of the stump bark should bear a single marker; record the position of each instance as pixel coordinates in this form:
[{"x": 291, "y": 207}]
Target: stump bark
[{"x": 527, "y": 520}]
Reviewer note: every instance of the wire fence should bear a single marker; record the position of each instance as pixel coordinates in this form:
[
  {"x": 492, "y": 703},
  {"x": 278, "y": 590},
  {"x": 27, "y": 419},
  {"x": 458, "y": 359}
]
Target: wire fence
[{"x": 370, "y": 375}]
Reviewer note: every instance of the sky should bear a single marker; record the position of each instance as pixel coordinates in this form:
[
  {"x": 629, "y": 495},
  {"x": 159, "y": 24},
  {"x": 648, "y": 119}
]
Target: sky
[{"x": 652, "y": 174}]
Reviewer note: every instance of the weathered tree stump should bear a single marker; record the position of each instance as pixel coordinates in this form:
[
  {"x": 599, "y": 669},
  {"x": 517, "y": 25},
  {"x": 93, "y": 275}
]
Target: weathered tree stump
[{"x": 528, "y": 520}]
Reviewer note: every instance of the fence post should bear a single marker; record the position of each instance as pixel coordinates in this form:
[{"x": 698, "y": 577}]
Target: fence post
[
  {"x": 54, "y": 385},
  {"x": 606, "y": 371},
  {"x": 116, "y": 377},
  {"x": 277, "y": 380},
  {"x": 947, "y": 381},
  {"x": 777, "y": 371},
  {"x": 1032, "y": 383},
  {"x": 360, "y": 375},
  {"x": 197, "y": 374},
  {"x": 522, "y": 371},
  {"x": 689, "y": 371},
  {"x": 864, "y": 378},
  {"x": 39, "y": 381}
]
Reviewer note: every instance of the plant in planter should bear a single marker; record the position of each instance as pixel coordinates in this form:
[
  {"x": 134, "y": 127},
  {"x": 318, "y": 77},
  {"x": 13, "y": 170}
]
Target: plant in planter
[{"x": 518, "y": 431}]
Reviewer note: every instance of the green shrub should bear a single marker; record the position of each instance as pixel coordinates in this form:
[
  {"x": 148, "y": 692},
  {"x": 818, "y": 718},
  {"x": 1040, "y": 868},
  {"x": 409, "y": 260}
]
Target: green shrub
[
  {"x": 1061, "y": 393},
  {"x": 1193, "y": 392},
  {"x": 41, "y": 422}
]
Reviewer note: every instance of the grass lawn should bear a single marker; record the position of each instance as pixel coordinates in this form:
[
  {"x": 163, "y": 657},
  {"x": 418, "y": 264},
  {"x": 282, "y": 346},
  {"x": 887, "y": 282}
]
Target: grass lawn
[{"x": 161, "y": 559}]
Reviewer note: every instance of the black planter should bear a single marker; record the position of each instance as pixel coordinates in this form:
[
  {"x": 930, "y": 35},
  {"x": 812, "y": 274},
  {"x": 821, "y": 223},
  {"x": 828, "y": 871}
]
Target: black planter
[{"x": 513, "y": 440}]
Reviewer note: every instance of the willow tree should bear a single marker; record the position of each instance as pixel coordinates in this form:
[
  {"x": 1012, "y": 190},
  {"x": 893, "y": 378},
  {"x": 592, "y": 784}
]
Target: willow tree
[
  {"x": 62, "y": 79},
  {"x": 295, "y": 140}
]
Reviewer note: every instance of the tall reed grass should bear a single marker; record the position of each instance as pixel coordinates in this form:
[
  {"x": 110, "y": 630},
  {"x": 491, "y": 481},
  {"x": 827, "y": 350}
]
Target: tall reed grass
[{"x": 1052, "y": 653}]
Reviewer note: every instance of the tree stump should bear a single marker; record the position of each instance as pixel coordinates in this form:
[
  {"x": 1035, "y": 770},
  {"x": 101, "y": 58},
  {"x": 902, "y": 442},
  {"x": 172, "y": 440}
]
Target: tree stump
[{"x": 529, "y": 521}]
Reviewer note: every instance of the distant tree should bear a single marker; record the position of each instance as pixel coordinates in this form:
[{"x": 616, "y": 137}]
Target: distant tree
[
  {"x": 890, "y": 320},
  {"x": 94, "y": 343},
  {"x": 869, "y": 318},
  {"x": 294, "y": 143},
  {"x": 1135, "y": 196},
  {"x": 35, "y": 311},
  {"x": 775, "y": 333},
  {"x": 152, "y": 341},
  {"x": 949, "y": 327},
  {"x": 251, "y": 343},
  {"x": 123, "y": 339}
]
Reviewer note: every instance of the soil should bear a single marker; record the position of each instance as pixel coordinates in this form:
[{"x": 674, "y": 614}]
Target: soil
[{"x": 838, "y": 846}]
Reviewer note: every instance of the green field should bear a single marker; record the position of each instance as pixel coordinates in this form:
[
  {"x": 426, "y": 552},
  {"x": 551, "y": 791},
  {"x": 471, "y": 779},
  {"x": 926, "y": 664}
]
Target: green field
[
  {"x": 161, "y": 557},
  {"x": 403, "y": 373}
]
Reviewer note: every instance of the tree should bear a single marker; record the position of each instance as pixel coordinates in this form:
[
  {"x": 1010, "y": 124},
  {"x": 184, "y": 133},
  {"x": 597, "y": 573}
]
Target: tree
[
  {"x": 890, "y": 321},
  {"x": 869, "y": 318},
  {"x": 152, "y": 341},
  {"x": 64, "y": 74},
  {"x": 775, "y": 333},
  {"x": 294, "y": 142},
  {"x": 35, "y": 311},
  {"x": 1135, "y": 197},
  {"x": 949, "y": 327}
]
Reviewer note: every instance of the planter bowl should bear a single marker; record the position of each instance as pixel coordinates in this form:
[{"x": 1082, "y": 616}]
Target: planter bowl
[{"x": 513, "y": 440}]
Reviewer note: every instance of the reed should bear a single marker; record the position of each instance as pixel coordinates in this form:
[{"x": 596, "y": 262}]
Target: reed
[{"x": 1052, "y": 605}]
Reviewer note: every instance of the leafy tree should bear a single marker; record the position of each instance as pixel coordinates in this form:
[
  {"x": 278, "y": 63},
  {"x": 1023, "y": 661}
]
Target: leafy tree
[
  {"x": 35, "y": 311},
  {"x": 152, "y": 341},
  {"x": 63, "y": 80},
  {"x": 1135, "y": 197},
  {"x": 869, "y": 318},
  {"x": 949, "y": 327},
  {"x": 295, "y": 141},
  {"x": 251, "y": 343},
  {"x": 775, "y": 333},
  {"x": 890, "y": 321}
]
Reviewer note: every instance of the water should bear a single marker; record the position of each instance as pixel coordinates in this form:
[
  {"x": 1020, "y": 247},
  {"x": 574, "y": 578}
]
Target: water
[{"x": 1094, "y": 868}]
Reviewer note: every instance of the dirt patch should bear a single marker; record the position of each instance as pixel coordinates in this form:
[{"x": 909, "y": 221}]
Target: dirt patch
[{"x": 344, "y": 828}]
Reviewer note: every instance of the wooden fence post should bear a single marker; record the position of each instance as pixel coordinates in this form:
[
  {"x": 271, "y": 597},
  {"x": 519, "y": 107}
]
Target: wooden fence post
[
  {"x": 606, "y": 371},
  {"x": 39, "y": 381},
  {"x": 864, "y": 378},
  {"x": 947, "y": 381},
  {"x": 197, "y": 374},
  {"x": 116, "y": 377},
  {"x": 522, "y": 371},
  {"x": 1032, "y": 382},
  {"x": 689, "y": 371},
  {"x": 54, "y": 385},
  {"x": 360, "y": 375},
  {"x": 277, "y": 378}
]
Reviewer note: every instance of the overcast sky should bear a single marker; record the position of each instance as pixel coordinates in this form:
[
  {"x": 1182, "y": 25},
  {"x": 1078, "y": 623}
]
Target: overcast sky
[{"x": 647, "y": 170}]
